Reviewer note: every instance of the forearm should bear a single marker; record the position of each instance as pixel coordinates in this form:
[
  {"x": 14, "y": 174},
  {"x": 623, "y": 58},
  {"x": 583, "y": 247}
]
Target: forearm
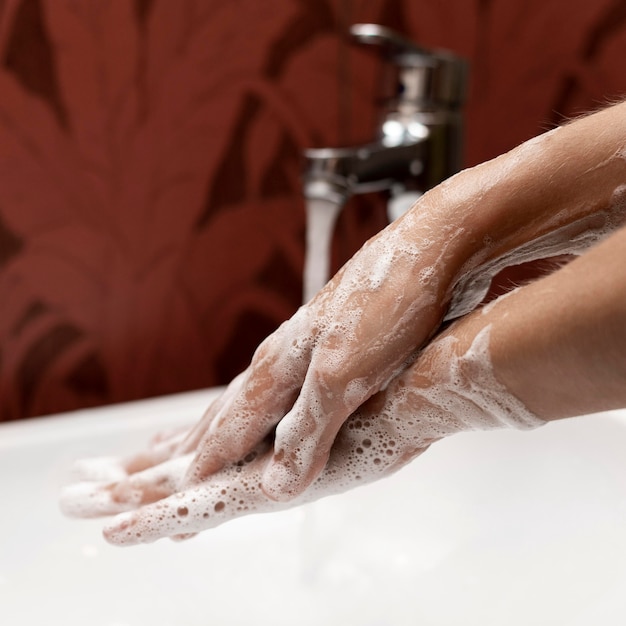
[
  {"x": 558, "y": 193},
  {"x": 559, "y": 344},
  {"x": 554, "y": 179}
]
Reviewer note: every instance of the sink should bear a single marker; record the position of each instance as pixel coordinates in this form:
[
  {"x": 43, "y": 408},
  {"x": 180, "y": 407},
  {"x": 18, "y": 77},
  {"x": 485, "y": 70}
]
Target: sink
[{"x": 484, "y": 528}]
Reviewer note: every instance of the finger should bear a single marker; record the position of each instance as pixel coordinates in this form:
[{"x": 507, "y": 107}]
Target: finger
[
  {"x": 181, "y": 440},
  {"x": 373, "y": 442},
  {"x": 194, "y": 436},
  {"x": 165, "y": 436},
  {"x": 98, "y": 469},
  {"x": 109, "y": 469},
  {"x": 161, "y": 449},
  {"x": 98, "y": 499},
  {"x": 267, "y": 393},
  {"x": 305, "y": 436},
  {"x": 152, "y": 484},
  {"x": 89, "y": 499},
  {"x": 368, "y": 447},
  {"x": 300, "y": 450},
  {"x": 233, "y": 492}
]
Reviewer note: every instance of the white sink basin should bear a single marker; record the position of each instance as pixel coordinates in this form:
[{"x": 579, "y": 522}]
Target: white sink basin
[{"x": 485, "y": 528}]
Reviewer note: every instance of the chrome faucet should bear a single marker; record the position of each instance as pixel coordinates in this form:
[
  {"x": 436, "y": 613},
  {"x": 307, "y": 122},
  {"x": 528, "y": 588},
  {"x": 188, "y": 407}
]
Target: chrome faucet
[{"x": 419, "y": 142}]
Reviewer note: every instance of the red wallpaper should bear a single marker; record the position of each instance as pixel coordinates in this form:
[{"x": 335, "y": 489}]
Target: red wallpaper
[{"x": 151, "y": 224}]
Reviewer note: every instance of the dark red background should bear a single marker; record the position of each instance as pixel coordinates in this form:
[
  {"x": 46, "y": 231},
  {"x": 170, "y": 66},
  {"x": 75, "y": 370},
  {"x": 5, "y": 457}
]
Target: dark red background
[{"x": 151, "y": 223}]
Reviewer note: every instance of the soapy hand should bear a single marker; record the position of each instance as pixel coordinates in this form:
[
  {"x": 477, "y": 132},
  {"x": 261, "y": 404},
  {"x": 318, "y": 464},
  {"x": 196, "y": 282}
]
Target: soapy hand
[
  {"x": 331, "y": 356},
  {"x": 308, "y": 418},
  {"x": 559, "y": 193},
  {"x": 554, "y": 195},
  {"x": 449, "y": 388},
  {"x": 540, "y": 352}
]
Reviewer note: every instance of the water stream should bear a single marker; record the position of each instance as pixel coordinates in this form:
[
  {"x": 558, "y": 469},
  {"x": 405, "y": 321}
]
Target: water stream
[{"x": 321, "y": 217}]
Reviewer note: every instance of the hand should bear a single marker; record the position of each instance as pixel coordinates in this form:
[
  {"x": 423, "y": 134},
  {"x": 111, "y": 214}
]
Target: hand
[
  {"x": 542, "y": 350},
  {"x": 556, "y": 194},
  {"x": 450, "y": 388}
]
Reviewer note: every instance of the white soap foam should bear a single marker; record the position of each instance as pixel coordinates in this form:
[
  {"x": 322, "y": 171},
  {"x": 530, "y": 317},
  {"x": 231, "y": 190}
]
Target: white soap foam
[{"x": 410, "y": 414}]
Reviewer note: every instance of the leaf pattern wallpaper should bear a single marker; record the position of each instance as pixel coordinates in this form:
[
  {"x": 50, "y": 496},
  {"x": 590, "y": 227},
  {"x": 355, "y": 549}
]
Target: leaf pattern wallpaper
[{"x": 151, "y": 219}]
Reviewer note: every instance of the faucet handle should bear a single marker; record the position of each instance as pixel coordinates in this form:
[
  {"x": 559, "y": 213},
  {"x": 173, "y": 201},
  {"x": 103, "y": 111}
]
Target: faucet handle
[
  {"x": 393, "y": 43},
  {"x": 426, "y": 78}
]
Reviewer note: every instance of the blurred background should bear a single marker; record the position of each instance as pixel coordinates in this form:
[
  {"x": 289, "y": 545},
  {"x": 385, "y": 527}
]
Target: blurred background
[{"x": 151, "y": 213}]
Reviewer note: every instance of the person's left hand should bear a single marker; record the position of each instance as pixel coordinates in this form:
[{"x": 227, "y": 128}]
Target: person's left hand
[{"x": 449, "y": 388}]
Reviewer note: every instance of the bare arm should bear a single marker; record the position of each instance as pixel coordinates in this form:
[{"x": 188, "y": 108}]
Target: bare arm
[
  {"x": 556, "y": 347},
  {"x": 560, "y": 344},
  {"x": 552, "y": 349},
  {"x": 558, "y": 193}
]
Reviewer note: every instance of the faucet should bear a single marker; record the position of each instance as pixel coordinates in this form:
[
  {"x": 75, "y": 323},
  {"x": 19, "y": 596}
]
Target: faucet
[
  {"x": 418, "y": 144},
  {"x": 419, "y": 141}
]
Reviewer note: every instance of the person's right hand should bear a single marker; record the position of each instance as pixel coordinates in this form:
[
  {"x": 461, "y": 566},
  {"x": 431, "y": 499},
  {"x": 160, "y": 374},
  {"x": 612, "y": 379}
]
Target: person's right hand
[
  {"x": 558, "y": 193},
  {"x": 334, "y": 353}
]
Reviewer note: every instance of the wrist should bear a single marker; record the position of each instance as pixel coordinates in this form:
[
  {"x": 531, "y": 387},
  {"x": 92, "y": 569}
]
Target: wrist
[{"x": 556, "y": 194}]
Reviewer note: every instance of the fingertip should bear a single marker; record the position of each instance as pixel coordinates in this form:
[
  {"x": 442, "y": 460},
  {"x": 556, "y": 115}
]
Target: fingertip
[
  {"x": 98, "y": 469},
  {"x": 88, "y": 500},
  {"x": 120, "y": 531},
  {"x": 281, "y": 483}
]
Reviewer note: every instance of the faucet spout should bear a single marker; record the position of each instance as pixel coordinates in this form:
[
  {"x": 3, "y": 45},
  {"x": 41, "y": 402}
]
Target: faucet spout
[{"x": 338, "y": 173}]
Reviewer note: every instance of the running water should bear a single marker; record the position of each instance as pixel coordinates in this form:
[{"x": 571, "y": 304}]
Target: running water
[{"x": 321, "y": 216}]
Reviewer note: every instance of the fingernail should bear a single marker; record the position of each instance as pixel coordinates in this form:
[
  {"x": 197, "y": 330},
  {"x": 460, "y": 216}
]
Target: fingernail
[{"x": 183, "y": 537}]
